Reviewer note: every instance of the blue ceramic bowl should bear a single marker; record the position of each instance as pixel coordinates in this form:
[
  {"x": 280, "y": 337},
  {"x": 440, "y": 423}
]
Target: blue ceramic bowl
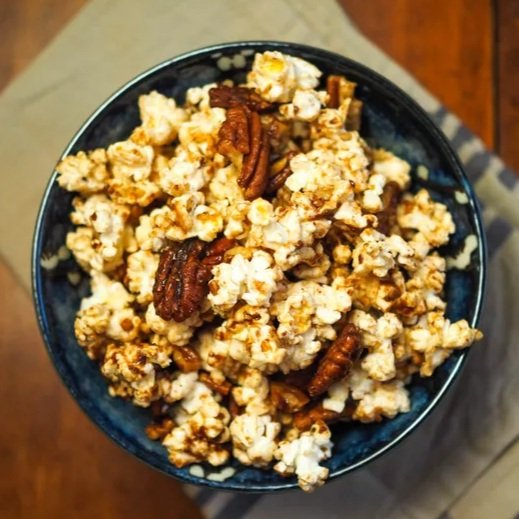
[{"x": 390, "y": 119}]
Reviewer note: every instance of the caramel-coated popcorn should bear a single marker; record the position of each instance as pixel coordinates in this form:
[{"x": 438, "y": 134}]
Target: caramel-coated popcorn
[{"x": 257, "y": 271}]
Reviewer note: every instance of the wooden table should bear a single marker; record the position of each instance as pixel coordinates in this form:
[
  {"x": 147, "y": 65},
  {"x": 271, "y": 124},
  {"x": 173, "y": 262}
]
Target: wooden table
[{"x": 53, "y": 461}]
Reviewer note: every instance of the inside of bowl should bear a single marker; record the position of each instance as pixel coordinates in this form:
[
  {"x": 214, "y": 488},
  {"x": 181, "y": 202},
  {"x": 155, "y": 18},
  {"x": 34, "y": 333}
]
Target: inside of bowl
[{"x": 389, "y": 121}]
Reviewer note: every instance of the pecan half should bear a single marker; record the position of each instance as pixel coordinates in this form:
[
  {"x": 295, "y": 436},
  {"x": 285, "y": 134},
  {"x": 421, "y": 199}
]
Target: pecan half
[
  {"x": 222, "y": 387},
  {"x": 187, "y": 359},
  {"x": 300, "y": 378},
  {"x": 254, "y": 174},
  {"x": 234, "y": 408},
  {"x": 160, "y": 429},
  {"x": 332, "y": 89},
  {"x": 279, "y": 172},
  {"x": 287, "y": 398},
  {"x": 304, "y": 419},
  {"x": 338, "y": 89},
  {"x": 279, "y": 132},
  {"x": 242, "y": 131},
  {"x": 354, "y": 116},
  {"x": 182, "y": 277},
  {"x": 387, "y": 217},
  {"x": 223, "y": 96},
  {"x": 234, "y": 132},
  {"x": 337, "y": 361}
]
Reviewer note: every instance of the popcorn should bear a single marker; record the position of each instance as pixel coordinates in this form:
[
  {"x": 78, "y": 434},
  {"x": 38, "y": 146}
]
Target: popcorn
[
  {"x": 435, "y": 337},
  {"x": 303, "y": 455},
  {"x": 130, "y": 161},
  {"x": 309, "y": 304},
  {"x": 378, "y": 254},
  {"x": 337, "y": 395},
  {"x": 391, "y": 167},
  {"x": 131, "y": 370},
  {"x": 184, "y": 217},
  {"x": 276, "y": 76},
  {"x": 224, "y": 185},
  {"x": 149, "y": 236},
  {"x": 161, "y": 118},
  {"x": 178, "y": 387},
  {"x": 302, "y": 260},
  {"x": 252, "y": 392},
  {"x": 250, "y": 339},
  {"x": 85, "y": 173},
  {"x": 215, "y": 355},
  {"x": 377, "y": 399},
  {"x": 253, "y": 439},
  {"x": 377, "y": 335},
  {"x": 289, "y": 235},
  {"x": 107, "y": 222},
  {"x": 371, "y": 198},
  {"x": 431, "y": 219},
  {"x": 198, "y": 97},
  {"x": 200, "y": 134},
  {"x": 181, "y": 174},
  {"x": 141, "y": 268},
  {"x": 305, "y": 106},
  {"x": 322, "y": 182},
  {"x": 178, "y": 334},
  {"x": 252, "y": 281},
  {"x": 201, "y": 429},
  {"x": 105, "y": 315},
  {"x": 306, "y": 313}
]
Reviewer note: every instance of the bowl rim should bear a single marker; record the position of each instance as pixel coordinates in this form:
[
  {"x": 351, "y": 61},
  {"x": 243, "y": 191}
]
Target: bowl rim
[{"x": 289, "y": 48}]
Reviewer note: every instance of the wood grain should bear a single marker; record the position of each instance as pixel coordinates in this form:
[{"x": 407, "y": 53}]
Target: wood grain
[
  {"x": 53, "y": 461},
  {"x": 26, "y": 27},
  {"x": 507, "y": 41},
  {"x": 445, "y": 44}
]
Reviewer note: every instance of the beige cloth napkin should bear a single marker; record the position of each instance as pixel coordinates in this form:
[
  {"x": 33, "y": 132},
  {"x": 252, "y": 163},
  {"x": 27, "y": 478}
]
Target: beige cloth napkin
[{"x": 108, "y": 43}]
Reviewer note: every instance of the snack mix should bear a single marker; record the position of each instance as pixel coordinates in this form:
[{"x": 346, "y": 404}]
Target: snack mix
[{"x": 257, "y": 271}]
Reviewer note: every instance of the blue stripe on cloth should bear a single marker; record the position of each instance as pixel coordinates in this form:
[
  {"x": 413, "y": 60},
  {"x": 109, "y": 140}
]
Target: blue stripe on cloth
[
  {"x": 497, "y": 233},
  {"x": 462, "y": 136},
  {"x": 508, "y": 178},
  {"x": 238, "y": 506},
  {"x": 477, "y": 165},
  {"x": 203, "y": 496},
  {"x": 439, "y": 115}
]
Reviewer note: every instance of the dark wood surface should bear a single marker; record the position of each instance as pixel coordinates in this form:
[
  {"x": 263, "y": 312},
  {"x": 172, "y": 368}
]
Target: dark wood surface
[
  {"x": 466, "y": 52},
  {"x": 53, "y": 462},
  {"x": 507, "y": 77}
]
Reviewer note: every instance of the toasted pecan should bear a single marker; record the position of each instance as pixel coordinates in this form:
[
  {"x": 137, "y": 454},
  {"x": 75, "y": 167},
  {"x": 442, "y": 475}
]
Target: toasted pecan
[
  {"x": 332, "y": 89},
  {"x": 354, "y": 115},
  {"x": 242, "y": 131},
  {"x": 305, "y": 418},
  {"x": 279, "y": 172},
  {"x": 224, "y": 96},
  {"x": 186, "y": 358},
  {"x": 287, "y": 398},
  {"x": 390, "y": 198},
  {"x": 337, "y": 361},
  {"x": 223, "y": 387},
  {"x": 158, "y": 430},
  {"x": 234, "y": 132},
  {"x": 183, "y": 274}
]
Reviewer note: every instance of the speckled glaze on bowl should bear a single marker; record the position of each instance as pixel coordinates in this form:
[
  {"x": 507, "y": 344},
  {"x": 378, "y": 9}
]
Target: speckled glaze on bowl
[{"x": 390, "y": 119}]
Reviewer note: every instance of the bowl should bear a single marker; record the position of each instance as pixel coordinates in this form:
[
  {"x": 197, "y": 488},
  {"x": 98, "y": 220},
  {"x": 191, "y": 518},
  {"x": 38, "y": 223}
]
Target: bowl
[{"x": 390, "y": 119}]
